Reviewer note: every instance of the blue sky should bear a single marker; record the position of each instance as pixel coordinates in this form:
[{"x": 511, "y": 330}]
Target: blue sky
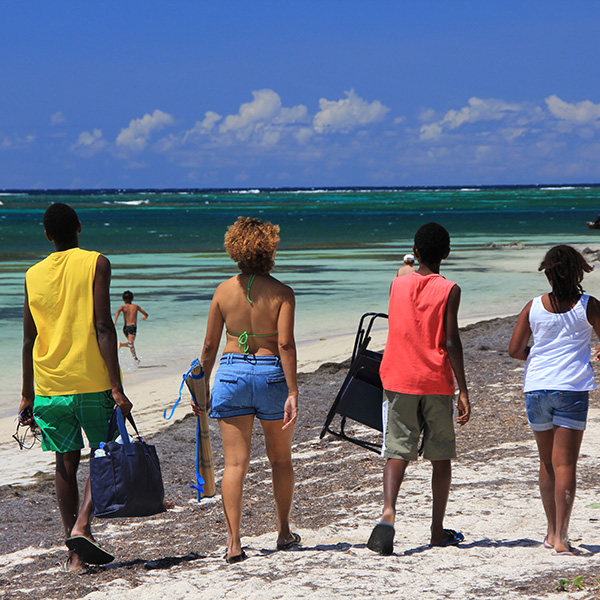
[{"x": 311, "y": 93}]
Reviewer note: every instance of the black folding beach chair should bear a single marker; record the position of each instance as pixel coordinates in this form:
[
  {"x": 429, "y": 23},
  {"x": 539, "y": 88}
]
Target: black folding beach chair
[{"x": 360, "y": 396}]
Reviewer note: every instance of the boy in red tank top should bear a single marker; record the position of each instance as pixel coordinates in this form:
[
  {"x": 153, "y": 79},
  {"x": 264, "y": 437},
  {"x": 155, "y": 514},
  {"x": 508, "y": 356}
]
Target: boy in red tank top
[{"x": 423, "y": 333}]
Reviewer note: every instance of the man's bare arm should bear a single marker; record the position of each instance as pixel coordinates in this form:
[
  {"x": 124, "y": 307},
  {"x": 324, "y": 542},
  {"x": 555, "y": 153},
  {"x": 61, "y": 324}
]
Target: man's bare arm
[
  {"x": 29, "y": 335},
  {"x": 105, "y": 332},
  {"x": 455, "y": 354}
]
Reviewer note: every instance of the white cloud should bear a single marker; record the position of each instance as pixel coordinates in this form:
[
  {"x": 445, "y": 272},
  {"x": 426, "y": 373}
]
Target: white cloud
[
  {"x": 57, "y": 118},
  {"x": 427, "y": 114},
  {"x": 204, "y": 127},
  {"x": 510, "y": 134},
  {"x": 264, "y": 108},
  {"x": 290, "y": 116},
  {"x": 17, "y": 141},
  {"x": 210, "y": 120},
  {"x": 303, "y": 134},
  {"x": 431, "y": 131},
  {"x": 89, "y": 143},
  {"x": 580, "y": 112},
  {"x": 263, "y": 120},
  {"x": 136, "y": 135},
  {"x": 479, "y": 109},
  {"x": 348, "y": 113},
  {"x": 87, "y": 139}
]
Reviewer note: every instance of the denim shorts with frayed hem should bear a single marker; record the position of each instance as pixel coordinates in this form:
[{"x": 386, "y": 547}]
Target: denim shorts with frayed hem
[
  {"x": 547, "y": 409},
  {"x": 249, "y": 385}
]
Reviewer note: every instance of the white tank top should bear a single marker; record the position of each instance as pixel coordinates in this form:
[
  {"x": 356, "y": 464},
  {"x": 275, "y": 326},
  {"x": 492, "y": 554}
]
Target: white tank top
[{"x": 560, "y": 355}]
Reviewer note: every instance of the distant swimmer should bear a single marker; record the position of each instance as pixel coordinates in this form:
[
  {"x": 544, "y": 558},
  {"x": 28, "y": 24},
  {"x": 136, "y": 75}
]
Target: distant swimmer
[
  {"x": 408, "y": 267},
  {"x": 130, "y": 312}
]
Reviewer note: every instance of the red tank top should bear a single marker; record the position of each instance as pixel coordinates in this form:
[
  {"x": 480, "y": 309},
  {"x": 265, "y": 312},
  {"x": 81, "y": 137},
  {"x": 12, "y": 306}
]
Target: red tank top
[{"x": 415, "y": 360}]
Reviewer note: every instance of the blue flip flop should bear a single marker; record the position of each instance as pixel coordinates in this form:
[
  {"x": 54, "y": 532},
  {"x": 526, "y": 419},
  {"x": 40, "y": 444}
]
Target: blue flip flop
[
  {"x": 454, "y": 538},
  {"x": 382, "y": 539}
]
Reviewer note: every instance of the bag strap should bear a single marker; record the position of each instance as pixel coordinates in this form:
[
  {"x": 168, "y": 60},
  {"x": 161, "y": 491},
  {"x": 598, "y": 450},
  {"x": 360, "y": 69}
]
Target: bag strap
[
  {"x": 189, "y": 373},
  {"x": 199, "y": 486},
  {"x": 117, "y": 422}
]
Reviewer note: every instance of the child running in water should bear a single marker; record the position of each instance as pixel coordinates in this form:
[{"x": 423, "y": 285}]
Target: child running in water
[
  {"x": 130, "y": 312},
  {"x": 558, "y": 378}
]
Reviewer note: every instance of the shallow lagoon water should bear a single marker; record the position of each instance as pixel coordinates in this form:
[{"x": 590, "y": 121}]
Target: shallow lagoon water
[{"x": 339, "y": 251}]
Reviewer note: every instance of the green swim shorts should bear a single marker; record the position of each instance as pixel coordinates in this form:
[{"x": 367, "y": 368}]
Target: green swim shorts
[
  {"x": 61, "y": 419},
  {"x": 404, "y": 415}
]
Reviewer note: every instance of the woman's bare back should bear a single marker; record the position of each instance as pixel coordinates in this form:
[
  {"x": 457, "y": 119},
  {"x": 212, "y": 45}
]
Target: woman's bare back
[{"x": 251, "y": 312}]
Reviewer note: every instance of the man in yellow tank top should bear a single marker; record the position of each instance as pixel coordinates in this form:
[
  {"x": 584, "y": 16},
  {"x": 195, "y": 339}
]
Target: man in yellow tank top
[{"x": 71, "y": 376}]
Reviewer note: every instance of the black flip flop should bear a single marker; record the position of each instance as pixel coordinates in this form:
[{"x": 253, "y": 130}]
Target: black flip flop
[
  {"x": 238, "y": 558},
  {"x": 295, "y": 541},
  {"x": 382, "y": 539},
  {"x": 89, "y": 552}
]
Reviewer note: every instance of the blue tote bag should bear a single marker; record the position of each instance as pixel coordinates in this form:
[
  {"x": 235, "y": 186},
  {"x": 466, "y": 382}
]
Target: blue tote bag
[{"x": 125, "y": 477}]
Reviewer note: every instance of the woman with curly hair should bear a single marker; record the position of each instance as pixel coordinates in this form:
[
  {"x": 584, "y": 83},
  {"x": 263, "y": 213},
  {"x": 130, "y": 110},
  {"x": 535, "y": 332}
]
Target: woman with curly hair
[
  {"x": 558, "y": 377},
  {"x": 256, "y": 374}
]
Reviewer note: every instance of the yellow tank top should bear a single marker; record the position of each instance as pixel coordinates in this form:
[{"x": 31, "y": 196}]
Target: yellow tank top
[{"x": 66, "y": 355}]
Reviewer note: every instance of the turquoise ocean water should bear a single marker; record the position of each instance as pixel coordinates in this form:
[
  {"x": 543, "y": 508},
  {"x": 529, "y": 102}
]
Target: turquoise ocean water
[{"x": 339, "y": 250}]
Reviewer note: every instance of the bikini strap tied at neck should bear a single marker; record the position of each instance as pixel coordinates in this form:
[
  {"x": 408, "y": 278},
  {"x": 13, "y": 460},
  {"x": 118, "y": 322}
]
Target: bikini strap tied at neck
[{"x": 250, "y": 282}]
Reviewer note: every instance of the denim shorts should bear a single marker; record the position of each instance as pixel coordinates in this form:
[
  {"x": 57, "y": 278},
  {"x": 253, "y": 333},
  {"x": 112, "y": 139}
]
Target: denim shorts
[
  {"x": 249, "y": 385},
  {"x": 547, "y": 409}
]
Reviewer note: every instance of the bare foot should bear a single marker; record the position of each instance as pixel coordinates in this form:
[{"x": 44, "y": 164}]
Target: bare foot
[
  {"x": 83, "y": 532},
  {"x": 74, "y": 563},
  {"x": 565, "y": 549}
]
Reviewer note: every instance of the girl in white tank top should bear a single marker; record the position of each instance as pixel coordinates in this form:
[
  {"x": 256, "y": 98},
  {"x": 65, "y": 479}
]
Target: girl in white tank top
[{"x": 558, "y": 377}]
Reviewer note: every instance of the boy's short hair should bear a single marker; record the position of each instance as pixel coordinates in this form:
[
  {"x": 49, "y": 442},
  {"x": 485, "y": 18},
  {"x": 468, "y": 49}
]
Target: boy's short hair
[
  {"x": 127, "y": 296},
  {"x": 432, "y": 242},
  {"x": 61, "y": 222}
]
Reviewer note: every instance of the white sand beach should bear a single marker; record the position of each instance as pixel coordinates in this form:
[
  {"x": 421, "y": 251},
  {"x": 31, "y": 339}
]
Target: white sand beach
[{"x": 494, "y": 502}]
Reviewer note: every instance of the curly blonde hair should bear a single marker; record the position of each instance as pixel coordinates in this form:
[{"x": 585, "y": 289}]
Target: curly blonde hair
[{"x": 251, "y": 243}]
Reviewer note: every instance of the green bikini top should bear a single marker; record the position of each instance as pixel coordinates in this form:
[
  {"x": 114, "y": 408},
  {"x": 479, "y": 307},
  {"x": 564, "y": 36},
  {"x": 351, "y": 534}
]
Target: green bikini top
[{"x": 243, "y": 337}]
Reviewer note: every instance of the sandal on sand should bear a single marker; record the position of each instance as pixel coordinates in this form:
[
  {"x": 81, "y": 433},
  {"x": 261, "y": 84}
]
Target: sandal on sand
[
  {"x": 382, "y": 539},
  {"x": 238, "y": 558},
  {"x": 454, "y": 538},
  {"x": 570, "y": 552},
  {"x": 88, "y": 551},
  {"x": 295, "y": 541},
  {"x": 546, "y": 543}
]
